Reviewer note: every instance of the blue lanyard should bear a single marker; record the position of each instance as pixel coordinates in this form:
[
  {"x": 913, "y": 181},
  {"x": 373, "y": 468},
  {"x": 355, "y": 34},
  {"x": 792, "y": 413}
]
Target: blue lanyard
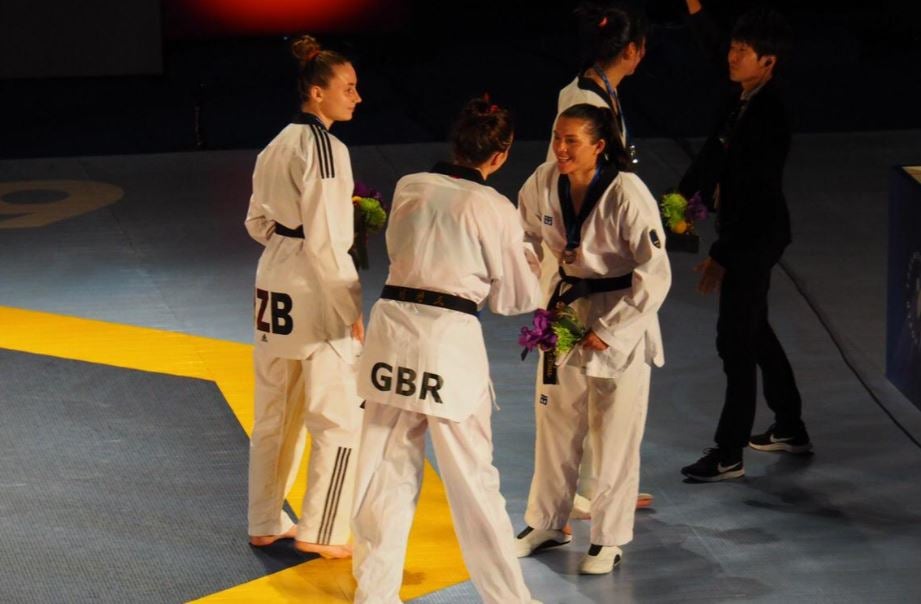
[{"x": 613, "y": 92}]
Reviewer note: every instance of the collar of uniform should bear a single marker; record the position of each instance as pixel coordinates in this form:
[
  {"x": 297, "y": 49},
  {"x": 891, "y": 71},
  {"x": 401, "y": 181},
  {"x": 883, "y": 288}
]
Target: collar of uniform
[
  {"x": 456, "y": 171},
  {"x": 589, "y": 84},
  {"x": 303, "y": 117}
]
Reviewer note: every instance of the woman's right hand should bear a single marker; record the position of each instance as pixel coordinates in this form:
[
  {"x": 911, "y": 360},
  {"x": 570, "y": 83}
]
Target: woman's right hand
[{"x": 358, "y": 329}]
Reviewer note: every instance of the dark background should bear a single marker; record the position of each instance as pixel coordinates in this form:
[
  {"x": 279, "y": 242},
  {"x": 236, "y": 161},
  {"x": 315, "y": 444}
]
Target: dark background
[{"x": 855, "y": 67}]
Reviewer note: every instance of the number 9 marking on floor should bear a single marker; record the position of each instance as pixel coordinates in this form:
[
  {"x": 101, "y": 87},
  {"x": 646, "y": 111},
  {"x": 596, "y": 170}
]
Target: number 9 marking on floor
[{"x": 23, "y": 200}]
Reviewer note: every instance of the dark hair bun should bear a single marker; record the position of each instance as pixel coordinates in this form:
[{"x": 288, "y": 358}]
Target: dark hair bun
[
  {"x": 305, "y": 48},
  {"x": 481, "y": 129}
]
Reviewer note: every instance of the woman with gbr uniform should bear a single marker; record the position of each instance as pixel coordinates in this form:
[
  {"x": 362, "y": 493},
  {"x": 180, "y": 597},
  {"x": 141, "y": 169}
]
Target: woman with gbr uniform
[{"x": 455, "y": 244}]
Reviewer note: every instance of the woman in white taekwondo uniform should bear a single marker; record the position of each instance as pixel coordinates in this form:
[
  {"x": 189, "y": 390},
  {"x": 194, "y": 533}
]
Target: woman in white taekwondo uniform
[
  {"x": 307, "y": 316},
  {"x": 454, "y": 244},
  {"x": 615, "y": 38},
  {"x": 603, "y": 226}
]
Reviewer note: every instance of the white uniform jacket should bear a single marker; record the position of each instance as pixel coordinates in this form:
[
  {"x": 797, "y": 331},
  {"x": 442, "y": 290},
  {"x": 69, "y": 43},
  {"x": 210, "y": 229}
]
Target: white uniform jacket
[
  {"x": 448, "y": 232},
  {"x": 584, "y": 90},
  {"x": 307, "y": 289},
  {"x": 623, "y": 233}
]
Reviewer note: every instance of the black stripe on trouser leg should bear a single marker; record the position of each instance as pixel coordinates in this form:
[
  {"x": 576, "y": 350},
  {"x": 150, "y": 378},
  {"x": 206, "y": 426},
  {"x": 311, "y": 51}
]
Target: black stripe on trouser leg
[
  {"x": 329, "y": 495},
  {"x": 341, "y": 485},
  {"x": 333, "y": 495}
]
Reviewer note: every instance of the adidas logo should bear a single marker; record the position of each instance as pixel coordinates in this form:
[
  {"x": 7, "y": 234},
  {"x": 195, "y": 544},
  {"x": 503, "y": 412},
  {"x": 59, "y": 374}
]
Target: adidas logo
[{"x": 265, "y": 338}]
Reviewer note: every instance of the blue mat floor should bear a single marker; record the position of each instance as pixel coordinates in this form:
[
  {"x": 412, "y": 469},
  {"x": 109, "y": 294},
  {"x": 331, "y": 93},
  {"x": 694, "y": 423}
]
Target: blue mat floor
[{"x": 843, "y": 525}]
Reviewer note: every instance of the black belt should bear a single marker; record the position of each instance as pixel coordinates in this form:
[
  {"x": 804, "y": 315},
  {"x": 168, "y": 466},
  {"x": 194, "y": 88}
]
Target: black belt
[
  {"x": 429, "y": 298},
  {"x": 284, "y": 231},
  {"x": 580, "y": 288}
]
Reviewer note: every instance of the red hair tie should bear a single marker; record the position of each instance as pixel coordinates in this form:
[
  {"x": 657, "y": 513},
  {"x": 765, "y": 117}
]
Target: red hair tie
[
  {"x": 493, "y": 108},
  {"x": 604, "y": 21},
  {"x": 310, "y": 57}
]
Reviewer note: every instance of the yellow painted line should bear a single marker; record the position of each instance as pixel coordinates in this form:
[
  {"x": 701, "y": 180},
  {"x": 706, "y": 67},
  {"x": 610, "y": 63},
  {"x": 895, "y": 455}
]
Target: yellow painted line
[{"x": 433, "y": 559}]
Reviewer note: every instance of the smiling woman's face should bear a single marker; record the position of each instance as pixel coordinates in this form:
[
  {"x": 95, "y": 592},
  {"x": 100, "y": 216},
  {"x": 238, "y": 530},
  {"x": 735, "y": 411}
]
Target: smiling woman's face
[{"x": 573, "y": 146}]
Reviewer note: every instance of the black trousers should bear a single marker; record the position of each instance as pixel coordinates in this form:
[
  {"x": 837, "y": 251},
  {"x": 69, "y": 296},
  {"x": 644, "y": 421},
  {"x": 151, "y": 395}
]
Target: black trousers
[{"x": 745, "y": 341}]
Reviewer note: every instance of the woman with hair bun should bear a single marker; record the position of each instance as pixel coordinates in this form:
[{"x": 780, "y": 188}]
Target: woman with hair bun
[
  {"x": 307, "y": 311},
  {"x": 455, "y": 245},
  {"x": 602, "y": 226},
  {"x": 613, "y": 35}
]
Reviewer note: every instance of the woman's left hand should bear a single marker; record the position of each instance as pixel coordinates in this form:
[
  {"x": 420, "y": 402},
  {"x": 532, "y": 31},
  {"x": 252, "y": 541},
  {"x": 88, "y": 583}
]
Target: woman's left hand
[{"x": 593, "y": 342}]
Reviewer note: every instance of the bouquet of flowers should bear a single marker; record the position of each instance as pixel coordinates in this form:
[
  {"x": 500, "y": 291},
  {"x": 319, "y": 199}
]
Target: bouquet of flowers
[
  {"x": 557, "y": 331},
  {"x": 370, "y": 217},
  {"x": 679, "y": 215}
]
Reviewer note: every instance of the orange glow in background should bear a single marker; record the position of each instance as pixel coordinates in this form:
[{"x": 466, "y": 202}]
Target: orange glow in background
[{"x": 217, "y": 18}]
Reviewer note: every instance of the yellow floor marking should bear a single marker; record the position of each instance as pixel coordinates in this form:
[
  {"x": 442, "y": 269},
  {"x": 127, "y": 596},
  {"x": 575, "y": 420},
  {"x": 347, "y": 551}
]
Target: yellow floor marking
[
  {"x": 80, "y": 197},
  {"x": 433, "y": 560}
]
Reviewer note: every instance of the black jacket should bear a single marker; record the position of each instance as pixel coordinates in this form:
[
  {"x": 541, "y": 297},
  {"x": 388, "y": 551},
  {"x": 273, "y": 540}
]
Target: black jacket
[{"x": 753, "y": 223}]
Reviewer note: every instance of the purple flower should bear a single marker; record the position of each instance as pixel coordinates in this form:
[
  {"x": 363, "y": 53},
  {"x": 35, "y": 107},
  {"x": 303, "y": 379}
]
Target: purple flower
[
  {"x": 363, "y": 190},
  {"x": 528, "y": 338},
  {"x": 696, "y": 209},
  {"x": 540, "y": 335},
  {"x": 542, "y": 319}
]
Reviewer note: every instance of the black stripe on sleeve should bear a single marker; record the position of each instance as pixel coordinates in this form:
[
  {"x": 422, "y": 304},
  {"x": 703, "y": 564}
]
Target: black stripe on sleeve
[
  {"x": 322, "y": 150},
  {"x": 329, "y": 155}
]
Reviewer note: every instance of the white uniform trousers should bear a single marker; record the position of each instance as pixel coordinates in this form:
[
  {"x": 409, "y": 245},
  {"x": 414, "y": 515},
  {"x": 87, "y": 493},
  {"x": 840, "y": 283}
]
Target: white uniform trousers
[
  {"x": 549, "y": 268},
  {"x": 389, "y": 478},
  {"x": 613, "y": 414},
  {"x": 293, "y": 397}
]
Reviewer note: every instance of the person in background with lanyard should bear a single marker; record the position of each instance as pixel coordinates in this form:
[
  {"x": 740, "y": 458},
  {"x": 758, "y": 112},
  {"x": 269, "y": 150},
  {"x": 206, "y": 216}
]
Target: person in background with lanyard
[
  {"x": 603, "y": 227},
  {"x": 307, "y": 307},
  {"x": 455, "y": 245},
  {"x": 739, "y": 171},
  {"x": 615, "y": 35}
]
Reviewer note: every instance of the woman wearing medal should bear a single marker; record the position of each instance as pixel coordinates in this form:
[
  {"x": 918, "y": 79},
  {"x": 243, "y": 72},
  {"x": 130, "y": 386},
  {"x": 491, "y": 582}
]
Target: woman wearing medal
[
  {"x": 614, "y": 36},
  {"x": 602, "y": 225}
]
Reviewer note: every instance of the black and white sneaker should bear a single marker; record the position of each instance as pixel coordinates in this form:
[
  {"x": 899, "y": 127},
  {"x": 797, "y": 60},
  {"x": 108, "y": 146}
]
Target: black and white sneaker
[
  {"x": 778, "y": 440},
  {"x": 600, "y": 560},
  {"x": 716, "y": 464},
  {"x": 532, "y": 540}
]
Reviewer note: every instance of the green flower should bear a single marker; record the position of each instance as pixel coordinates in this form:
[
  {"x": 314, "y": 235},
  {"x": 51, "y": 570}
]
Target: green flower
[
  {"x": 673, "y": 207},
  {"x": 373, "y": 214},
  {"x": 568, "y": 329}
]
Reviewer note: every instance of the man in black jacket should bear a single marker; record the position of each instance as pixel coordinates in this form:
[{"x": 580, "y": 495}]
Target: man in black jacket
[{"x": 740, "y": 170}]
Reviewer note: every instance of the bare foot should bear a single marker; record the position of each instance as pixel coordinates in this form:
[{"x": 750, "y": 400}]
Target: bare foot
[
  {"x": 644, "y": 500},
  {"x": 327, "y": 551},
  {"x": 264, "y": 540}
]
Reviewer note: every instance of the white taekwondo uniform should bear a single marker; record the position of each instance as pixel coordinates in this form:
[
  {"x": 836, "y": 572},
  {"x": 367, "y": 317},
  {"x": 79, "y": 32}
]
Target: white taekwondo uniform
[
  {"x": 582, "y": 90},
  {"x": 307, "y": 298},
  {"x": 603, "y": 394},
  {"x": 425, "y": 368},
  {"x": 585, "y": 90}
]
